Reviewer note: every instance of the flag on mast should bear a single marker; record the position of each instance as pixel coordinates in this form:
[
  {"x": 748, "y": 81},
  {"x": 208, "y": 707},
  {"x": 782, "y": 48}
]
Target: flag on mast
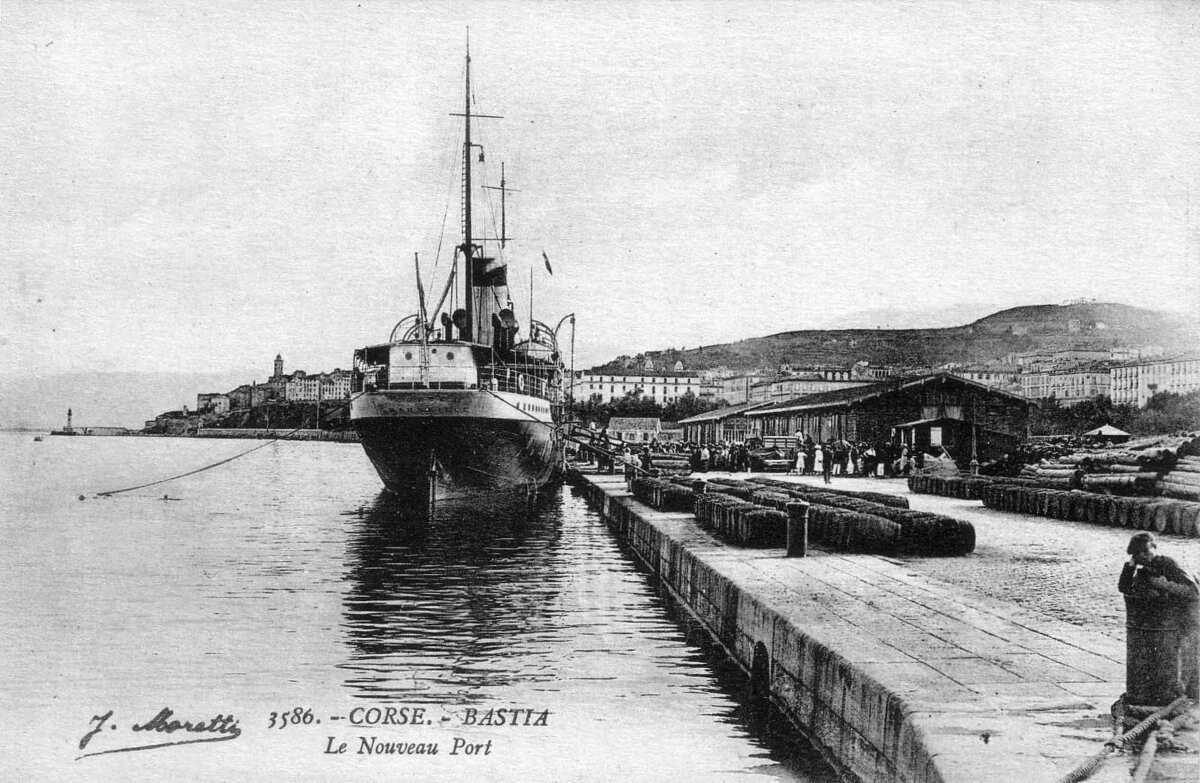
[{"x": 546, "y": 258}]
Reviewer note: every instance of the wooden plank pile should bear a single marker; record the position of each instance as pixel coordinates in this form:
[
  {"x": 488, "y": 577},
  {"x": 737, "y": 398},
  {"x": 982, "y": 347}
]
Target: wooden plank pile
[
  {"x": 969, "y": 487},
  {"x": 1177, "y": 517}
]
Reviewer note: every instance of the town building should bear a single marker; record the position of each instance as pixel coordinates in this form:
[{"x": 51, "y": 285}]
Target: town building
[
  {"x": 727, "y": 424},
  {"x": 659, "y": 388},
  {"x": 1136, "y": 382},
  {"x": 929, "y": 412},
  {"x": 998, "y": 376},
  {"x": 335, "y": 385},
  {"x": 1035, "y": 384},
  {"x": 302, "y": 387},
  {"x": 212, "y": 403},
  {"x": 1068, "y": 385},
  {"x": 634, "y": 430},
  {"x": 1049, "y": 358},
  {"x": 801, "y": 383},
  {"x": 735, "y": 389},
  {"x": 250, "y": 395},
  {"x": 174, "y": 423},
  {"x": 1072, "y": 385}
]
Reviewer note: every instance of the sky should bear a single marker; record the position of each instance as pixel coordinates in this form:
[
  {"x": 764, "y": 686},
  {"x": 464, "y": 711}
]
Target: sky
[{"x": 196, "y": 187}]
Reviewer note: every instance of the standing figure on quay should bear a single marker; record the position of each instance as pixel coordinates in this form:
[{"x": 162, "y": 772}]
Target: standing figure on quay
[{"x": 1163, "y": 625}]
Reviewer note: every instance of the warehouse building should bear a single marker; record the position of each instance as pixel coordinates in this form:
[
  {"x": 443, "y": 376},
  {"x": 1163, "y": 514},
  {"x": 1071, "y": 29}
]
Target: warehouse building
[{"x": 929, "y": 412}]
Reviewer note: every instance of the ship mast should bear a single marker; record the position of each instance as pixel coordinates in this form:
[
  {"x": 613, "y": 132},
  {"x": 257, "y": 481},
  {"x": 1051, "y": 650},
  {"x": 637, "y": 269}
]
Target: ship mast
[
  {"x": 467, "y": 247},
  {"x": 468, "y": 244}
]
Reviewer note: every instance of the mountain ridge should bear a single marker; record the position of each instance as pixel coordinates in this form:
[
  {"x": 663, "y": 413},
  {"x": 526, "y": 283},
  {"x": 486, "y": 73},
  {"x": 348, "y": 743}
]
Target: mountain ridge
[{"x": 1096, "y": 325}]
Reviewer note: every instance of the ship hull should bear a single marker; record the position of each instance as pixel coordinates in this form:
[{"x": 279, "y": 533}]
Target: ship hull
[{"x": 467, "y": 442}]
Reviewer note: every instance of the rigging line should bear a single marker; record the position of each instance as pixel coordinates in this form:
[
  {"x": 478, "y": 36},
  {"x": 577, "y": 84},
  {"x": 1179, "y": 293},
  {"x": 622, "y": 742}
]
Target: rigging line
[
  {"x": 285, "y": 436},
  {"x": 450, "y": 171}
]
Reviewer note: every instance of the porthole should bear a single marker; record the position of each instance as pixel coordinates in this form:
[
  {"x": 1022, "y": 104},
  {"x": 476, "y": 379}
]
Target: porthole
[
  {"x": 450, "y": 356},
  {"x": 433, "y": 350},
  {"x": 408, "y": 356}
]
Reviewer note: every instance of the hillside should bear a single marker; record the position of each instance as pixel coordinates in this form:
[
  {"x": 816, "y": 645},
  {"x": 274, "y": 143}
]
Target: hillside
[{"x": 1088, "y": 324}]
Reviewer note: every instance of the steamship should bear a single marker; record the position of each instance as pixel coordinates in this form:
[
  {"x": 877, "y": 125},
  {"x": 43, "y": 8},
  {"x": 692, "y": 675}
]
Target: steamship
[{"x": 464, "y": 397}]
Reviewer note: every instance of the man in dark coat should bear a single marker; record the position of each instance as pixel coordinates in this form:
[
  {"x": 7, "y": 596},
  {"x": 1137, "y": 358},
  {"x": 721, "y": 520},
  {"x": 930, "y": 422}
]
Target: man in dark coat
[{"x": 1156, "y": 577}]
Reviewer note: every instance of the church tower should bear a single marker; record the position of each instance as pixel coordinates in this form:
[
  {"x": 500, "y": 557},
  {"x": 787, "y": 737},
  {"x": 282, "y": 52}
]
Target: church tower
[{"x": 278, "y": 368}]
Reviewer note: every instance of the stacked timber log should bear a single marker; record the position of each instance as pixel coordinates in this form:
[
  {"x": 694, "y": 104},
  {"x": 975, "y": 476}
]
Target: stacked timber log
[
  {"x": 970, "y": 487},
  {"x": 1183, "y": 481},
  {"x": 666, "y": 464},
  {"x": 662, "y": 494},
  {"x": 841, "y": 520},
  {"x": 1176, "y": 517},
  {"x": 1135, "y": 468}
]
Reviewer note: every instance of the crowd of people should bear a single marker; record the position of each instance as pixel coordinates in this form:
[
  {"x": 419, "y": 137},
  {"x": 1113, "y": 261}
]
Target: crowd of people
[
  {"x": 830, "y": 458},
  {"x": 841, "y": 457}
]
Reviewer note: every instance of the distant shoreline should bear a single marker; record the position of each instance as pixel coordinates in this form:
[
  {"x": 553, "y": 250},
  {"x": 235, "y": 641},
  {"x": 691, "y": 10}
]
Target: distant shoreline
[{"x": 328, "y": 436}]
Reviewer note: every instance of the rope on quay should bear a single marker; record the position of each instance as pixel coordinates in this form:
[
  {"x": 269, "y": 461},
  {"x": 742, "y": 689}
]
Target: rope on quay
[
  {"x": 285, "y": 436},
  {"x": 1085, "y": 769}
]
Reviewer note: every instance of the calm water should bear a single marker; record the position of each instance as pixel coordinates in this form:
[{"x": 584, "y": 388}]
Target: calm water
[{"x": 286, "y": 580}]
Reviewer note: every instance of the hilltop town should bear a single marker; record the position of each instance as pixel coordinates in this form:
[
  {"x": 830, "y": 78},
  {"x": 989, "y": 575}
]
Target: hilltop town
[{"x": 284, "y": 401}]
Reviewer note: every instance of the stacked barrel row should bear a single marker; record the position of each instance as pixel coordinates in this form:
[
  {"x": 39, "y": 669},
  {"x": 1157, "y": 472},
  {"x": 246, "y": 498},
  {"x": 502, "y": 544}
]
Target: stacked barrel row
[
  {"x": 855, "y": 524},
  {"x": 969, "y": 487},
  {"x": 741, "y": 521},
  {"x": 662, "y": 494},
  {"x": 1165, "y": 516}
]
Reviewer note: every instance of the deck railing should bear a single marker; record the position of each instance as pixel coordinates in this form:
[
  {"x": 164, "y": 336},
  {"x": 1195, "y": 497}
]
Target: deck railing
[{"x": 511, "y": 379}]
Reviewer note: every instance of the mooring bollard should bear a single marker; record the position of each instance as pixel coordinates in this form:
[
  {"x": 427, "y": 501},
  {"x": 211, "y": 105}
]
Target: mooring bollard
[
  {"x": 797, "y": 529},
  {"x": 1151, "y": 652}
]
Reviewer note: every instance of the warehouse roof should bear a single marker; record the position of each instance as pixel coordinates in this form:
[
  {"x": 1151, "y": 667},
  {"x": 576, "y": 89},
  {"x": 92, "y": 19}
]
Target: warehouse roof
[
  {"x": 724, "y": 413},
  {"x": 846, "y": 397}
]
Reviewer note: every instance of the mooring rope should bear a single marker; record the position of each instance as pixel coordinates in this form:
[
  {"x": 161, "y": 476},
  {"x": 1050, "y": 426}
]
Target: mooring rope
[
  {"x": 1085, "y": 769},
  {"x": 285, "y": 436},
  {"x": 109, "y": 493}
]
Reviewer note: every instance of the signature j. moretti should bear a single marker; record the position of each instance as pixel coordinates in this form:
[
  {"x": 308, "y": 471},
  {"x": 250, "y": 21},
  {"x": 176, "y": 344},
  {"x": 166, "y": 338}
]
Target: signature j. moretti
[{"x": 164, "y": 730}]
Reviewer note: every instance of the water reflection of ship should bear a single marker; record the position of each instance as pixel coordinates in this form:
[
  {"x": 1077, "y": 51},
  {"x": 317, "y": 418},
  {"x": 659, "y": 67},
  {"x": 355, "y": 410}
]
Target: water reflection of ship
[{"x": 437, "y": 610}]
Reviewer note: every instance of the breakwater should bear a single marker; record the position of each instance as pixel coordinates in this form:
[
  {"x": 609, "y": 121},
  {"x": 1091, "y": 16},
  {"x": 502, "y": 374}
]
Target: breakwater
[
  {"x": 340, "y": 436},
  {"x": 895, "y": 677}
]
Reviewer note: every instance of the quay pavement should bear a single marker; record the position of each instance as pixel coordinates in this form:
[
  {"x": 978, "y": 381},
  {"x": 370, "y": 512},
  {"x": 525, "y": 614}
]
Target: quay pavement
[{"x": 992, "y": 666}]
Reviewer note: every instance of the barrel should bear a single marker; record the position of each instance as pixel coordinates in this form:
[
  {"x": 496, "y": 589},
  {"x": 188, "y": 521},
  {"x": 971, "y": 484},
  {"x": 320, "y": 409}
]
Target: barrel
[
  {"x": 1175, "y": 518},
  {"x": 1086, "y": 503},
  {"x": 1151, "y": 652},
  {"x": 1141, "y": 513},
  {"x": 1189, "y": 519},
  {"x": 1161, "y": 516}
]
